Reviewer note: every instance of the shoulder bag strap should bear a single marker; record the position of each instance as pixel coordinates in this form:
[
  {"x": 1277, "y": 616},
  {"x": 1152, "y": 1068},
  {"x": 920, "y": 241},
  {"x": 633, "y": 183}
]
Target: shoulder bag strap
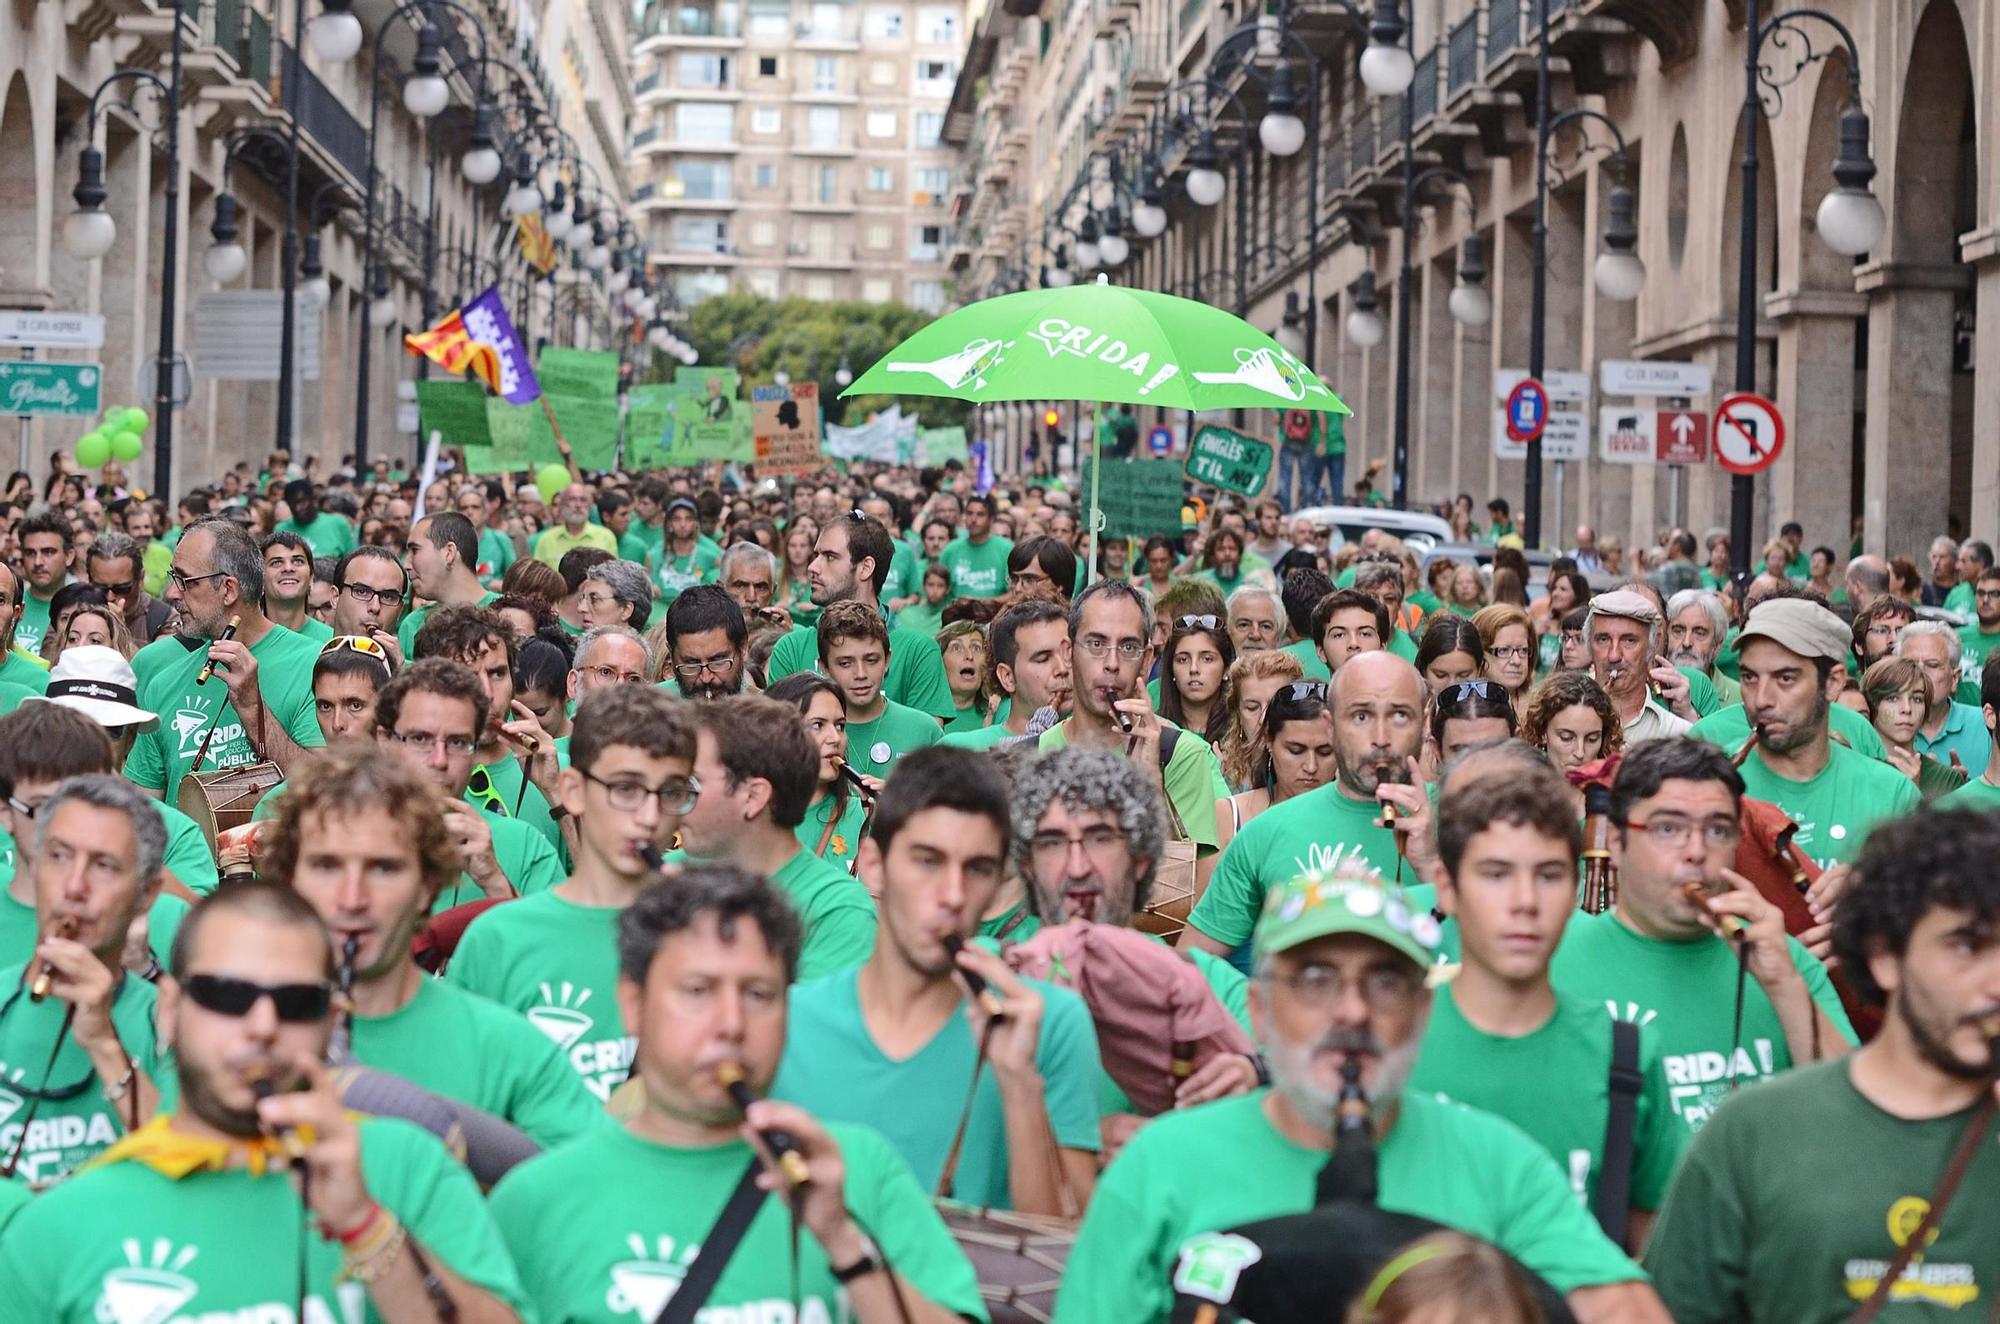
[
  {"x": 1170, "y": 737},
  {"x": 698, "y": 1283},
  {"x": 1947, "y": 1186},
  {"x": 1614, "y": 1178}
]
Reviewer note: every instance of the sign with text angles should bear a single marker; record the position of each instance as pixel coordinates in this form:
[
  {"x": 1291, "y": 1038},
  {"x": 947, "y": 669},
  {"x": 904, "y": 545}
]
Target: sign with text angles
[
  {"x": 784, "y": 425},
  {"x": 1225, "y": 458}
]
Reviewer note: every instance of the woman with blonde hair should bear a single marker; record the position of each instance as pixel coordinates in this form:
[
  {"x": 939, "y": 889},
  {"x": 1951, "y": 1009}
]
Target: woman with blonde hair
[
  {"x": 1253, "y": 679},
  {"x": 96, "y": 623},
  {"x": 1898, "y": 704},
  {"x": 1509, "y": 637},
  {"x": 1449, "y": 1278}
]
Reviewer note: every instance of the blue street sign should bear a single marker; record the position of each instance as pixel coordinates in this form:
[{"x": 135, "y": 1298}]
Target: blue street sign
[
  {"x": 1160, "y": 441},
  {"x": 1527, "y": 409}
]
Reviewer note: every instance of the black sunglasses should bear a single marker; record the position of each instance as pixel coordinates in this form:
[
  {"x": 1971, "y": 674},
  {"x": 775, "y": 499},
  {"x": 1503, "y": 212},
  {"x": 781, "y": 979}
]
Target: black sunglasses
[{"x": 296, "y": 1004}]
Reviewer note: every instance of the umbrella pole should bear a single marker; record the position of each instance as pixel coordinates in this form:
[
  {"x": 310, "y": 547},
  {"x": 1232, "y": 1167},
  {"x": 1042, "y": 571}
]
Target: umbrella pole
[{"x": 1096, "y": 469}]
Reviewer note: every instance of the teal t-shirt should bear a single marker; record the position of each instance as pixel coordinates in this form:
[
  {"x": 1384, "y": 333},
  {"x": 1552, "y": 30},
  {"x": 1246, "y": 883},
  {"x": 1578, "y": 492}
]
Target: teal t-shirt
[
  {"x": 985, "y": 737},
  {"x": 19, "y": 667},
  {"x": 978, "y": 570},
  {"x": 1974, "y": 647},
  {"x": 32, "y": 626},
  {"x": 164, "y": 755},
  {"x": 226, "y": 1245},
  {"x": 496, "y": 554},
  {"x": 413, "y": 621},
  {"x": 1683, "y": 997},
  {"x": 916, "y": 668},
  {"x": 833, "y": 1069},
  {"x": 327, "y": 534},
  {"x": 873, "y": 747},
  {"x": 671, "y": 573},
  {"x": 1217, "y": 1165},
  {"x": 1836, "y": 809},
  {"x": 1307, "y": 652},
  {"x": 597, "y": 1244},
  {"x": 1729, "y": 727},
  {"x": 837, "y": 823}
]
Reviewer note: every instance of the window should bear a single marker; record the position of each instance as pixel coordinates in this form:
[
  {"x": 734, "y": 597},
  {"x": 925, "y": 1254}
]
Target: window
[
  {"x": 876, "y": 290},
  {"x": 935, "y": 77},
  {"x": 882, "y": 23},
  {"x": 927, "y": 295},
  {"x": 826, "y": 74},
  {"x": 927, "y": 243},
  {"x": 827, "y": 186},
  {"x": 763, "y": 234},
  {"x": 700, "y": 235},
  {"x": 879, "y": 236},
  {"x": 698, "y": 69},
  {"x": 767, "y": 66},
  {"x": 934, "y": 180},
  {"x": 881, "y": 124},
  {"x": 826, "y": 22},
  {"x": 881, "y": 179},
  {"x": 703, "y": 181},
  {"x": 823, "y": 126},
  {"x": 770, "y": 18},
  {"x": 691, "y": 287},
  {"x": 819, "y": 239},
  {"x": 937, "y": 27},
  {"x": 766, "y": 119},
  {"x": 764, "y": 283},
  {"x": 930, "y": 127},
  {"x": 881, "y": 73},
  {"x": 767, "y": 175},
  {"x": 704, "y": 122},
  {"x": 819, "y": 287}
]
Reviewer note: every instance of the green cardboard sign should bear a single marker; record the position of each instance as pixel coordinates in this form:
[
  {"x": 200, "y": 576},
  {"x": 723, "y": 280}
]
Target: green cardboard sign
[
  {"x": 455, "y": 408},
  {"x": 936, "y": 446},
  {"x": 1139, "y": 498},
  {"x": 1225, "y": 458}
]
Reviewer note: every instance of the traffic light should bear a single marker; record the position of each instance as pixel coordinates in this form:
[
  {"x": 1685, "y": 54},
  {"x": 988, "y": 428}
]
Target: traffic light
[{"x": 1052, "y": 419}]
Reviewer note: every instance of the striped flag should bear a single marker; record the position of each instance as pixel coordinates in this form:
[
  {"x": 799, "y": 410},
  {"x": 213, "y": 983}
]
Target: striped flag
[
  {"x": 536, "y": 245},
  {"x": 480, "y": 339}
]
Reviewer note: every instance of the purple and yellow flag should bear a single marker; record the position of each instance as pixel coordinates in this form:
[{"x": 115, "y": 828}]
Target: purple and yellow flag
[
  {"x": 480, "y": 339},
  {"x": 536, "y": 245}
]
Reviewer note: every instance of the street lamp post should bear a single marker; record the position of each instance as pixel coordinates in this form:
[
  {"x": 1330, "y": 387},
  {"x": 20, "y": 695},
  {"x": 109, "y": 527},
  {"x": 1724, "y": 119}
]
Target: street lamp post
[{"x": 1850, "y": 219}]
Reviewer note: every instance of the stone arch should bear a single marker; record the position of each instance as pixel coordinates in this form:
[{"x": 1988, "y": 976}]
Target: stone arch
[{"x": 24, "y": 211}]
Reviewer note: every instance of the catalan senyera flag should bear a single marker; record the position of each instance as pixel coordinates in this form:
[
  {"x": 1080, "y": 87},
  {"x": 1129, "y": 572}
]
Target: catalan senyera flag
[
  {"x": 536, "y": 245},
  {"x": 480, "y": 339}
]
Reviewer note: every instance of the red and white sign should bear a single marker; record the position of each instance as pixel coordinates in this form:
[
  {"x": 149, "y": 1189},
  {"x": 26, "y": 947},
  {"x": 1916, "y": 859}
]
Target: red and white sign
[
  {"x": 1681, "y": 437},
  {"x": 1749, "y": 434}
]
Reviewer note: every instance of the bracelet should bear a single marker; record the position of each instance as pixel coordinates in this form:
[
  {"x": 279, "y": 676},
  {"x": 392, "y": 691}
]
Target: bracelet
[
  {"x": 353, "y": 1234},
  {"x": 368, "y": 1270},
  {"x": 113, "y": 1093}
]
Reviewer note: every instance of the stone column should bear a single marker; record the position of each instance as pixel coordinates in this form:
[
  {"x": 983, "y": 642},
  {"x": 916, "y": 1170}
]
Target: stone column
[
  {"x": 1979, "y": 251},
  {"x": 1908, "y": 441},
  {"x": 1811, "y": 482}
]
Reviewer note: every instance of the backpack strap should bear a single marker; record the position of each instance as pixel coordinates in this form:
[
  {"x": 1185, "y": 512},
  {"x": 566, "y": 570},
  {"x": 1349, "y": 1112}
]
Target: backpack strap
[{"x": 1614, "y": 1179}]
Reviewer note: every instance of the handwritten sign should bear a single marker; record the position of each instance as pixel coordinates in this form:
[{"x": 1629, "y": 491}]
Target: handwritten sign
[
  {"x": 1225, "y": 458},
  {"x": 784, "y": 424},
  {"x": 1139, "y": 498}
]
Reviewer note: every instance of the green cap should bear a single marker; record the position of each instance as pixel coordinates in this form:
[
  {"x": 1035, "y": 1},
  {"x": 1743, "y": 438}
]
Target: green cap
[{"x": 1346, "y": 899}]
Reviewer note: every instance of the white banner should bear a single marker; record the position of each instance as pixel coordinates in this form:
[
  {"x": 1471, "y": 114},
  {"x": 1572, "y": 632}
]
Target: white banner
[
  {"x": 236, "y": 335},
  {"x": 888, "y": 438}
]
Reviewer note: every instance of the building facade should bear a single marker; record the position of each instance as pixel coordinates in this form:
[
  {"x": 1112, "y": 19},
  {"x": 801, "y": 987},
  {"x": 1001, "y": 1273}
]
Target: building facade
[
  {"x": 1875, "y": 361},
  {"x": 793, "y": 149},
  {"x": 432, "y": 233}
]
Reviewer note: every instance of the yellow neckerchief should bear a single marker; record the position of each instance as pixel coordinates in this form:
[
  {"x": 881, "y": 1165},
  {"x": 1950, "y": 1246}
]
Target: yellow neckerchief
[{"x": 176, "y": 1154}]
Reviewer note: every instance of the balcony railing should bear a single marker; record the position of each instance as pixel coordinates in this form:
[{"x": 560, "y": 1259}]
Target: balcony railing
[
  {"x": 321, "y": 113},
  {"x": 688, "y": 21},
  {"x": 645, "y": 136},
  {"x": 1462, "y": 60},
  {"x": 647, "y": 84},
  {"x": 1424, "y": 88},
  {"x": 1189, "y": 18},
  {"x": 1503, "y": 28}
]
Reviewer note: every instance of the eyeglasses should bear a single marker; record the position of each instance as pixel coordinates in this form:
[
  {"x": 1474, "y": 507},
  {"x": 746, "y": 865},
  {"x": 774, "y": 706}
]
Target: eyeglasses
[
  {"x": 1098, "y": 840},
  {"x": 613, "y": 676},
  {"x": 1305, "y": 691},
  {"x": 1382, "y": 988},
  {"x": 1097, "y": 646},
  {"x": 675, "y": 796},
  {"x": 1983, "y": 594},
  {"x": 426, "y": 741},
  {"x": 368, "y": 597},
  {"x": 1512, "y": 652},
  {"x": 714, "y": 666},
  {"x": 355, "y": 643},
  {"x": 1196, "y": 622},
  {"x": 1467, "y": 690},
  {"x": 296, "y": 1004},
  {"x": 181, "y": 581},
  {"x": 1671, "y": 831},
  {"x": 124, "y": 590},
  {"x": 23, "y": 808}
]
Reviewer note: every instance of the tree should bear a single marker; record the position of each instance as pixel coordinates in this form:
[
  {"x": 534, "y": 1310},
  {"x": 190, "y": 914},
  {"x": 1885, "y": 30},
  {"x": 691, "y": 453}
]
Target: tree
[{"x": 809, "y": 339}]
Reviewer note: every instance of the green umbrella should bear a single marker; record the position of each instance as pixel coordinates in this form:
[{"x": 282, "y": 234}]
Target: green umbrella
[{"x": 1102, "y": 343}]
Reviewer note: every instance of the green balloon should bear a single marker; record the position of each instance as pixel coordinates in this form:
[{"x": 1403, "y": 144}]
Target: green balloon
[
  {"x": 125, "y": 447},
  {"x": 137, "y": 420},
  {"x": 551, "y": 479},
  {"x": 92, "y": 449}
]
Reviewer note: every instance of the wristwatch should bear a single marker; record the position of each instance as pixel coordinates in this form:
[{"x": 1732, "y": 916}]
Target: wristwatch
[{"x": 870, "y": 1262}]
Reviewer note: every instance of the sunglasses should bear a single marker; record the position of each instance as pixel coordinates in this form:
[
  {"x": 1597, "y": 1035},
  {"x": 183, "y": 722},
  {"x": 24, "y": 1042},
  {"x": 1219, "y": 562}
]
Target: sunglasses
[
  {"x": 1467, "y": 690},
  {"x": 1305, "y": 691},
  {"x": 1196, "y": 622},
  {"x": 355, "y": 643},
  {"x": 295, "y": 1004}
]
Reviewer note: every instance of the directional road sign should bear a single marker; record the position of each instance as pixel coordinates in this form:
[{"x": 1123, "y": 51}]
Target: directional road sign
[
  {"x": 1681, "y": 437},
  {"x": 1749, "y": 434},
  {"x": 1527, "y": 409},
  {"x": 49, "y": 388},
  {"x": 51, "y": 330},
  {"x": 1655, "y": 377},
  {"x": 1160, "y": 441}
]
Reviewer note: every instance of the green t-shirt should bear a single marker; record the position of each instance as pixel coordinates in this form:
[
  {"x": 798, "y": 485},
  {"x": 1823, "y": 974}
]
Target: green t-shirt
[
  {"x": 972, "y": 717},
  {"x": 327, "y": 534},
  {"x": 459, "y": 1045},
  {"x": 1729, "y": 727},
  {"x": 33, "y": 624},
  {"x": 1222, "y": 1164},
  {"x": 834, "y": 1069},
  {"x": 844, "y": 840},
  {"x": 874, "y": 746},
  {"x": 1316, "y": 830},
  {"x": 1702, "y": 696},
  {"x": 836, "y": 911},
  {"x": 1683, "y": 994},
  {"x": 522, "y": 853},
  {"x": 75, "y": 1122},
  {"x": 906, "y": 574},
  {"x": 496, "y": 554},
  {"x": 671, "y": 574},
  {"x": 1836, "y": 809},
  {"x": 1790, "y": 1204},
  {"x": 413, "y": 621},
  {"x": 921, "y": 618},
  {"x": 1961, "y": 599},
  {"x": 164, "y": 755},
  {"x": 1307, "y": 652},
  {"x": 985, "y": 737},
  {"x": 1978, "y": 794},
  {"x": 978, "y": 570},
  {"x": 640, "y": 538},
  {"x": 1191, "y": 777},
  {"x": 506, "y": 783},
  {"x": 1015, "y": 924},
  {"x": 556, "y": 962},
  {"x": 1555, "y": 1084},
  {"x": 1975, "y": 646},
  {"x": 150, "y": 660},
  {"x": 916, "y": 668},
  {"x": 597, "y": 1244},
  {"x": 188, "y": 857},
  {"x": 24, "y": 669},
  {"x": 226, "y": 1245}
]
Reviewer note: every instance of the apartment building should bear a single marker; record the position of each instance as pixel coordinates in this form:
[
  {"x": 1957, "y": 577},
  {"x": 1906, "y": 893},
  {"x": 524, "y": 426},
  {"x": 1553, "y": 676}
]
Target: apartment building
[{"x": 793, "y": 147}]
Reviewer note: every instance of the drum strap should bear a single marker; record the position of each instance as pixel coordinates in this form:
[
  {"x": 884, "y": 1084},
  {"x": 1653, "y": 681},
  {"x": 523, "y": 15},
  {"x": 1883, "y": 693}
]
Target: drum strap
[
  {"x": 1947, "y": 1186},
  {"x": 1066, "y": 1197},
  {"x": 698, "y": 1283}
]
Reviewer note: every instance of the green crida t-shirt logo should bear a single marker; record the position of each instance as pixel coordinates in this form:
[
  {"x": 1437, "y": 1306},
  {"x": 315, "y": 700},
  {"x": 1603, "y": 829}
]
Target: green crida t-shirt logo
[
  {"x": 642, "y": 1285},
  {"x": 156, "y": 1284},
  {"x": 566, "y": 1014}
]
